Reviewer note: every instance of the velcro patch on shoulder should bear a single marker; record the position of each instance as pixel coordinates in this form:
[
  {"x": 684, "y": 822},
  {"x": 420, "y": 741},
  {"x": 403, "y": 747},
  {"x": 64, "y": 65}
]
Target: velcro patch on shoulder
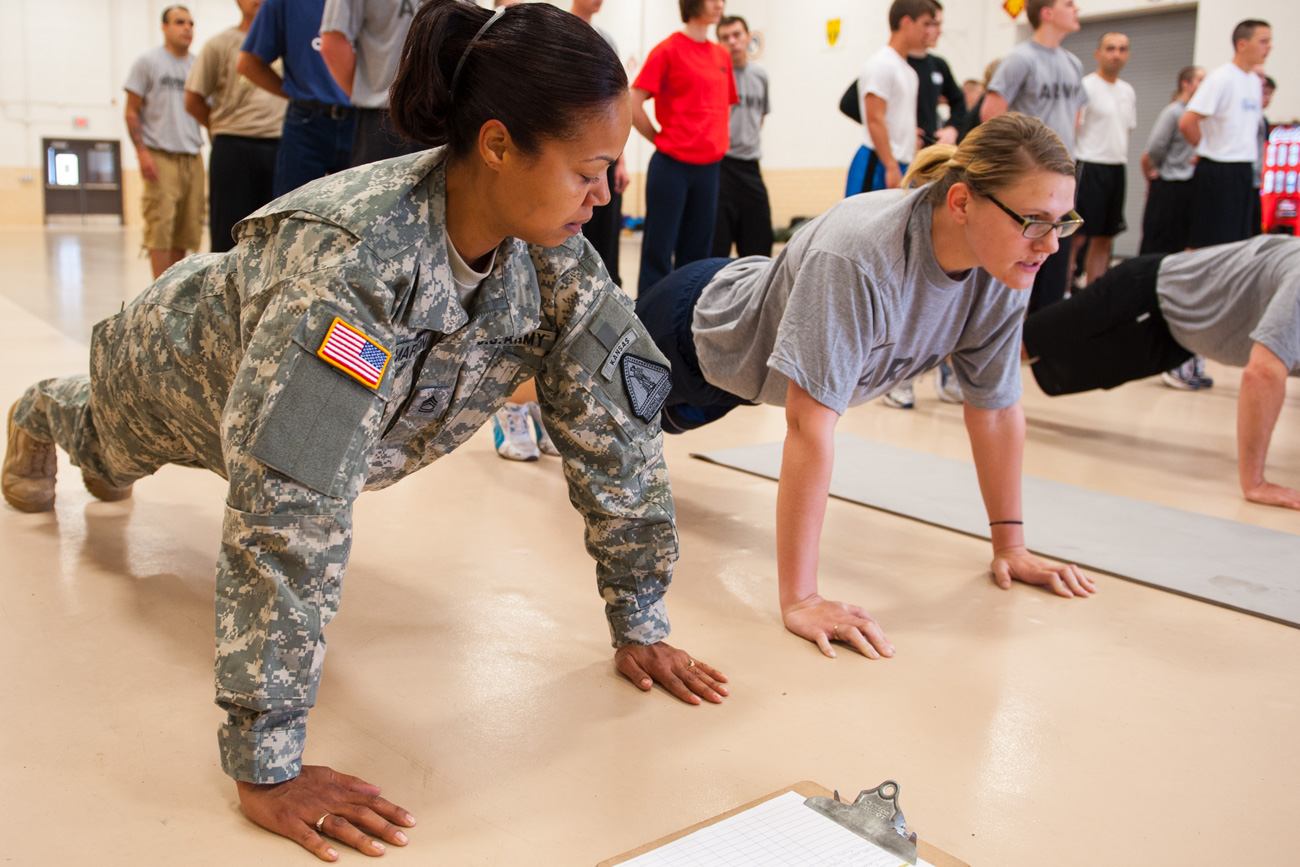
[
  {"x": 647, "y": 383},
  {"x": 352, "y": 352}
]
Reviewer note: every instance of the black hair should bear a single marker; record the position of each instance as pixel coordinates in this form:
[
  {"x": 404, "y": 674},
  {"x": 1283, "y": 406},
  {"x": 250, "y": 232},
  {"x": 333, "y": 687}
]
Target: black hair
[
  {"x": 728, "y": 20},
  {"x": 914, "y": 9},
  {"x": 1246, "y": 30},
  {"x": 690, "y": 9},
  {"x": 538, "y": 70},
  {"x": 169, "y": 9}
]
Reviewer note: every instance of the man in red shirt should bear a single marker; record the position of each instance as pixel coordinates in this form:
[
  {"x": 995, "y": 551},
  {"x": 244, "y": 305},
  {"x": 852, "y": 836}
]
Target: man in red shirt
[{"x": 690, "y": 80}]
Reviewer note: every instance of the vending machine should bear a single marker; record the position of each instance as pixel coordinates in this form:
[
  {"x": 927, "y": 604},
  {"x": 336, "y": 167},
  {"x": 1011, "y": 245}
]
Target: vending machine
[{"x": 1279, "y": 194}]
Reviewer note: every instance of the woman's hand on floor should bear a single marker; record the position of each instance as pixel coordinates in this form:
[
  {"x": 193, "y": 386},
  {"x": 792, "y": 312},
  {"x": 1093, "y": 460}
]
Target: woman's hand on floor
[
  {"x": 678, "y": 672},
  {"x": 319, "y": 803},
  {"x": 822, "y": 621},
  {"x": 1065, "y": 579}
]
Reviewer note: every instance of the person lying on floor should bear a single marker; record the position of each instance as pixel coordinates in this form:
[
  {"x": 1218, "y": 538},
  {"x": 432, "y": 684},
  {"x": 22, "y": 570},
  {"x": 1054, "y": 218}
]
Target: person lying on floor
[
  {"x": 872, "y": 293},
  {"x": 1237, "y": 304}
]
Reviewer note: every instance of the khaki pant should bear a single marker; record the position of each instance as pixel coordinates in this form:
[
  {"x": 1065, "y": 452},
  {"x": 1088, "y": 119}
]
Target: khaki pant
[{"x": 174, "y": 206}]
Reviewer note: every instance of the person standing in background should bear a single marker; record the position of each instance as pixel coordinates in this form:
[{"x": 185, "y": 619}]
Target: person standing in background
[
  {"x": 1222, "y": 123},
  {"x": 1102, "y": 153},
  {"x": 1168, "y": 164},
  {"x": 167, "y": 142},
  {"x": 690, "y": 80},
  {"x": 1266, "y": 96},
  {"x": 888, "y": 89},
  {"x": 316, "y": 138},
  {"x": 935, "y": 80},
  {"x": 605, "y": 227},
  {"x": 1043, "y": 80},
  {"x": 243, "y": 123},
  {"x": 361, "y": 42},
  {"x": 744, "y": 211}
]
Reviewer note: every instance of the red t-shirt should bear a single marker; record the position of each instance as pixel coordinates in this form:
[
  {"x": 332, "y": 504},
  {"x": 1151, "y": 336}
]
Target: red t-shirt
[{"x": 693, "y": 89}]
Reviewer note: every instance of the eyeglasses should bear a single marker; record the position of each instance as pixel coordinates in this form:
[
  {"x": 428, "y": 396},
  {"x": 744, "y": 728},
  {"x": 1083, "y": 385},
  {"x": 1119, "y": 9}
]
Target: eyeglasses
[{"x": 1035, "y": 229}]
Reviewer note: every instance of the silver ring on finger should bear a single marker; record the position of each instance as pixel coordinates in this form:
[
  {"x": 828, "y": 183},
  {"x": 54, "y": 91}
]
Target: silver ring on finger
[{"x": 320, "y": 823}]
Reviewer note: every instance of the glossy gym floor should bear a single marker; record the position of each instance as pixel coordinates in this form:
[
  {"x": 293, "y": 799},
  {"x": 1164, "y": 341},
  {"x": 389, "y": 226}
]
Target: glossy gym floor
[{"x": 469, "y": 672}]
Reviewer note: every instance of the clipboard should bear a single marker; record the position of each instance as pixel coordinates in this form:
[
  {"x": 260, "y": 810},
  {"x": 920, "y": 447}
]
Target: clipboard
[{"x": 807, "y": 789}]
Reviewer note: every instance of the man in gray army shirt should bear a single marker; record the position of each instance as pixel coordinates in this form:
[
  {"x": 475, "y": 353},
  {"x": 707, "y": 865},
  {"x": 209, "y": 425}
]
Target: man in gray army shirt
[{"x": 1043, "y": 80}]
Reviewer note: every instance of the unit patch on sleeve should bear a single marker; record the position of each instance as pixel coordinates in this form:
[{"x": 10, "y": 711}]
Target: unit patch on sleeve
[
  {"x": 647, "y": 383},
  {"x": 354, "y": 353}
]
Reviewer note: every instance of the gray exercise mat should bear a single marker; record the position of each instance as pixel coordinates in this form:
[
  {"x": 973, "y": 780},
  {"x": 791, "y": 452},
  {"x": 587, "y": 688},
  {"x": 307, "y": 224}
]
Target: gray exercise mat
[{"x": 1235, "y": 565}]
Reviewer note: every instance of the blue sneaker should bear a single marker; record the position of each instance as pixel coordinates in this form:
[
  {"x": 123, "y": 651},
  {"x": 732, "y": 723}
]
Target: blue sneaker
[{"x": 1184, "y": 377}]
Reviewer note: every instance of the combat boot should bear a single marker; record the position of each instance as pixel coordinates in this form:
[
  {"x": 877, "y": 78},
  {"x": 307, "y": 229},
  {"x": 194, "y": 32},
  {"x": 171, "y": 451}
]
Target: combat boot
[
  {"x": 102, "y": 490},
  {"x": 27, "y": 478}
]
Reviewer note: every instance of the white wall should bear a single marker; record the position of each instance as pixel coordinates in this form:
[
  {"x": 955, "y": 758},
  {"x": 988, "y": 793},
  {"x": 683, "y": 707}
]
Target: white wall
[
  {"x": 67, "y": 59},
  {"x": 63, "y": 59}
]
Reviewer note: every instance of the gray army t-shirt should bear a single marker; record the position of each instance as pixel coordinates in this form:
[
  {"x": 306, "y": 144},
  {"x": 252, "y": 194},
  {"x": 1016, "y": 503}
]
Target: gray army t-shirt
[
  {"x": 377, "y": 29},
  {"x": 1046, "y": 83},
  {"x": 158, "y": 77},
  {"x": 747, "y": 115},
  {"x": 1221, "y": 300},
  {"x": 854, "y": 305}
]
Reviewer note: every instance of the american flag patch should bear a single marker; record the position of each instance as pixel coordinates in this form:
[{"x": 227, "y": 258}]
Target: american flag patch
[{"x": 353, "y": 353}]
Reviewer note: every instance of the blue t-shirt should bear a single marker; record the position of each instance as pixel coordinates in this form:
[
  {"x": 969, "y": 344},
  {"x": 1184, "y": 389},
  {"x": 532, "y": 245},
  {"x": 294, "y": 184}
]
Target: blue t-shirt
[{"x": 291, "y": 29}]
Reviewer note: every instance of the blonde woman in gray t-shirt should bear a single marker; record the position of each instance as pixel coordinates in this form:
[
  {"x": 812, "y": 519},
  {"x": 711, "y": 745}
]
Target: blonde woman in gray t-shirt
[{"x": 873, "y": 292}]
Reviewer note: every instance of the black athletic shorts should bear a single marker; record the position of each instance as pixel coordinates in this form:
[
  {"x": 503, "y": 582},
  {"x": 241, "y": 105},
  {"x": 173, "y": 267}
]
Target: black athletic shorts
[
  {"x": 667, "y": 309},
  {"x": 1222, "y": 203},
  {"x": 1106, "y": 335},
  {"x": 1101, "y": 199}
]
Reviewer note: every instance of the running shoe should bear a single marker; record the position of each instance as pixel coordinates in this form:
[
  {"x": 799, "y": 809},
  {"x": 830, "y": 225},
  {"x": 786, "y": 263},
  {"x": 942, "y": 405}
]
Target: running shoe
[
  {"x": 510, "y": 433},
  {"x": 901, "y": 397},
  {"x": 1184, "y": 378},
  {"x": 945, "y": 384},
  {"x": 544, "y": 444}
]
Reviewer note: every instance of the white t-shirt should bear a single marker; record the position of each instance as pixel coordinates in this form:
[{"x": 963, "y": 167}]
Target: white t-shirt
[
  {"x": 888, "y": 76},
  {"x": 1105, "y": 121},
  {"x": 1231, "y": 101}
]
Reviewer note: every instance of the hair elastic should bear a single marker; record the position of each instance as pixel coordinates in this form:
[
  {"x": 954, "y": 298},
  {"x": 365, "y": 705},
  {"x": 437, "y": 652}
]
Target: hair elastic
[{"x": 460, "y": 64}]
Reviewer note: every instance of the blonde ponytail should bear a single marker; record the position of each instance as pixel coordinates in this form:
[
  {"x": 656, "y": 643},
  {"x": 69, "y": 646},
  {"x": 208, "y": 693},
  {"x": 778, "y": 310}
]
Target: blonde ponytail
[{"x": 995, "y": 155}]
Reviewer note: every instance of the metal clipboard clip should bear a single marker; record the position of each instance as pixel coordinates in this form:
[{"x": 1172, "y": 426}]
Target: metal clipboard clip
[{"x": 874, "y": 816}]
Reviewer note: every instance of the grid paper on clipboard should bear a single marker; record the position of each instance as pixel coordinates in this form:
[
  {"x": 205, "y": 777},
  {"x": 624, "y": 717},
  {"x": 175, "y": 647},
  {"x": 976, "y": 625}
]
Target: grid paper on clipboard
[{"x": 781, "y": 832}]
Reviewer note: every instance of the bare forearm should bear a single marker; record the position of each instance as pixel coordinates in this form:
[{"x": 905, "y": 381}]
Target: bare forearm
[
  {"x": 1259, "y": 403},
  {"x": 135, "y": 131},
  {"x": 880, "y": 142},
  {"x": 339, "y": 57},
  {"x": 640, "y": 119},
  {"x": 197, "y": 107},
  {"x": 801, "y": 495},
  {"x": 258, "y": 71},
  {"x": 1190, "y": 126},
  {"x": 993, "y": 106},
  {"x": 997, "y": 439}
]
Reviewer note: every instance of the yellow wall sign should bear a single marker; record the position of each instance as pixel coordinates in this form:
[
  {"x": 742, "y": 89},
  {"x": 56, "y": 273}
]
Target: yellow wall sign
[
  {"x": 1013, "y": 7},
  {"x": 833, "y": 30}
]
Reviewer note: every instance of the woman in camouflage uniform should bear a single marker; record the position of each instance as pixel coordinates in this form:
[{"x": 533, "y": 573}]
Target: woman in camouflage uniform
[{"x": 365, "y": 325}]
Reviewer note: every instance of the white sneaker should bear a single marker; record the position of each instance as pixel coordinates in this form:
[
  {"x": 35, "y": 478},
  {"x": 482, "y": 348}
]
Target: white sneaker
[
  {"x": 945, "y": 384},
  {"x": 510, "y": 433},
  {"x": 544, "y": 444},
  {"x": 901, "y": 397}
]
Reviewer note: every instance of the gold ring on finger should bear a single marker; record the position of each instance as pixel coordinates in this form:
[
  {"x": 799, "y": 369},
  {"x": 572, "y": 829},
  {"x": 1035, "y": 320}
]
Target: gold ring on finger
[
  {"x": 690, "y": 663},
  {"x": 320, "y": 823},
  {"x": 836, "y": 632}
]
